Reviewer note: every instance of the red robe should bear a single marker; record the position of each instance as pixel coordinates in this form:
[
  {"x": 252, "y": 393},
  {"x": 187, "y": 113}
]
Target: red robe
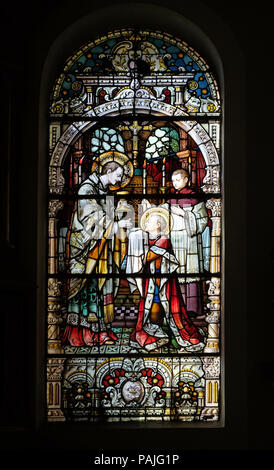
[
  {"x": 187, "y": 201},
  {"x": 80, "y": 336},
  {"x": 186, "y": 330}
]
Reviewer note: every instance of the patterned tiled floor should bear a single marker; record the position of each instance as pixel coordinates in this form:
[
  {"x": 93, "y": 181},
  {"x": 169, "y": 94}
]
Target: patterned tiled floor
[{"x": 121, "y": 347}]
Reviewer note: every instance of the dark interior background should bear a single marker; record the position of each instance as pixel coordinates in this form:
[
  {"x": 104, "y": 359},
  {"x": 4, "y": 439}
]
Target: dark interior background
[{"x": 28, "y": 29}]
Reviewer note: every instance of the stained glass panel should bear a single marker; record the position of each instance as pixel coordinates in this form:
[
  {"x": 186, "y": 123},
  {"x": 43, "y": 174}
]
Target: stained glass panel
[
  {"x": 136, "y": 389},
  {"x": 134, "y": 247},
  {"x": 143, "y": 65}
]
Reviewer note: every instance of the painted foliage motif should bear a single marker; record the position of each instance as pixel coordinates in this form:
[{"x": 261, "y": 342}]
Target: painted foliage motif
[{"x": 134, "y": 281}]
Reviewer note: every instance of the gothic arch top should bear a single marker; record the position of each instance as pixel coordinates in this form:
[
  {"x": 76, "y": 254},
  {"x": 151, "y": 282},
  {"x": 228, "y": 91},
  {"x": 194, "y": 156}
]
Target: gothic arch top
[
  {"x": 144, "y": 73},
  {"x": 128, "y": 58},
  {"x": 135, "y": 114}
]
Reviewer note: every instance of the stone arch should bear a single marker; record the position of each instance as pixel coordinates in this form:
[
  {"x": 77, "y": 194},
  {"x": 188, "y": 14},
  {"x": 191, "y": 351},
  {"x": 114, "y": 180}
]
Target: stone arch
[
  {"x": 186, "y": 122},
  {"x": 191, "y": 371},
  {"x": 164, "y": 368},
  {"x": 192, "y": 127},
  {"x": 80, "y": 377},
  {"x": 107, "y": 366}
]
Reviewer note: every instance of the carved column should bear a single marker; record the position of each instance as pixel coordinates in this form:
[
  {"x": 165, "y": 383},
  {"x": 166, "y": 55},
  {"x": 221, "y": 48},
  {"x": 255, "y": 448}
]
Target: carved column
[
  {"x": 54, "y": 207},
  {"x": 215, "y": 259},
  {"x": 201, "y": 401},
  {"x": 54, "y": 316},
  {"x": 213, "y": 318},
  {"x": 178, "y": 96},
  {"x": 89, "y": 96},
  {"x": 55, "y": 370},
  {"x": 211, "y": 366}
]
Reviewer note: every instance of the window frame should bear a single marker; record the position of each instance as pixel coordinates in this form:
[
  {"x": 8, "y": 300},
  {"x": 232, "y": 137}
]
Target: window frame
[{"x": 226, "y": 134}]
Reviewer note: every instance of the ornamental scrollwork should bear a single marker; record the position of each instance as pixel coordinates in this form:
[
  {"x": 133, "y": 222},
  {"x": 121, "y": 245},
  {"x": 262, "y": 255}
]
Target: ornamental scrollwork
[{"x": 54, "y": 207}]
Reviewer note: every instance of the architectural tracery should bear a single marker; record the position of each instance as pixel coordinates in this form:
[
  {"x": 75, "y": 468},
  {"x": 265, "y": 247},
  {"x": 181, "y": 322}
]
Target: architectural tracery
[{"x": 132, "y": 85}]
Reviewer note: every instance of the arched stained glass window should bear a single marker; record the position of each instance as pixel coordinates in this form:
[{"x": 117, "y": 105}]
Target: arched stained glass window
[{"x": 134, "y": 258}]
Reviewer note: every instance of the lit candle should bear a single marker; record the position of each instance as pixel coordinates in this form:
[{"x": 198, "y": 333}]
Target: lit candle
[
  {"x": 80, "y": 170},
  {"x": 189, "y": 171},
  {"x": 164, "y": 172},
  {"x": 144, "y": 177}
]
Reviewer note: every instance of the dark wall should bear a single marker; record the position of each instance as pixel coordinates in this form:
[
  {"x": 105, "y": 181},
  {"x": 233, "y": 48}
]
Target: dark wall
[{"x": 28, "y": 31}]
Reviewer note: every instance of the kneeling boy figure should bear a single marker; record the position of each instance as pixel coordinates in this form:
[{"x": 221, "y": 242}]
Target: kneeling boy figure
[{"x": 162, "y": 298}]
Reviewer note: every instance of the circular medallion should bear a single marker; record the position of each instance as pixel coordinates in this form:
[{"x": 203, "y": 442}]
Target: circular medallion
[
  {"x": 133, "y": 391},
  {"x": 76, "y": 85},
  {"x": 211, "y": 108},
  {"x": 193, "y": 85}
]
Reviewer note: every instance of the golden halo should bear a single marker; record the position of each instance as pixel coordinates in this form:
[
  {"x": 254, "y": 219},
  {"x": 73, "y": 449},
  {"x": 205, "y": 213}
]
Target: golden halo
[
  {"x": 161, "y": 212},
  {"x": 118, "y": 157}
]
